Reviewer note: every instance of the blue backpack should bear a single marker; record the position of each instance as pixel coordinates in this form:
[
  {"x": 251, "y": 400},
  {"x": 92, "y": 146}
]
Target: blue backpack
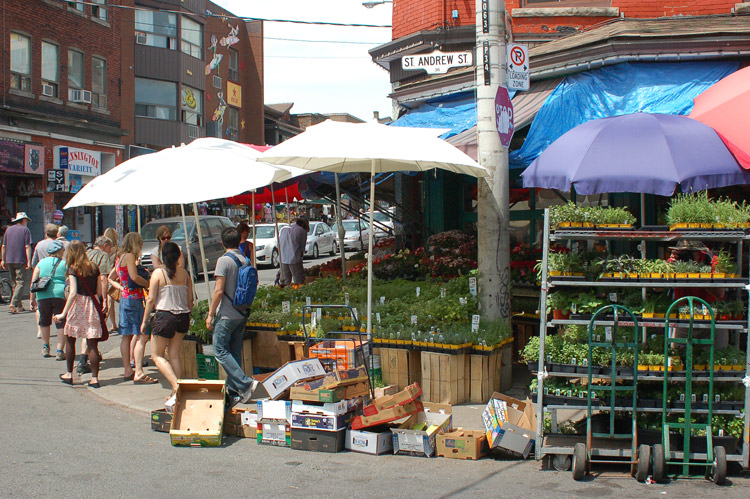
[{"x": 247, "y": 283}]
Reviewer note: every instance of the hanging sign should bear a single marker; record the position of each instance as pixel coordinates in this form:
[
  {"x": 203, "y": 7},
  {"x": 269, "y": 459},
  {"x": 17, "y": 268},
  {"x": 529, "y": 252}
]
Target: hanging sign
[
  {"x": 78, "y": 161},
  {"x": 234, "y": 94},
  {"x": 437, "y": 62}
]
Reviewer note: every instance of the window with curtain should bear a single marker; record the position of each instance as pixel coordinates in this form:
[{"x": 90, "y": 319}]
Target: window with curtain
[
  {"x": 51, "y": 66},
  {"x": 233, "y": 123},
  {"x": 234, "y": 64},
  {"x": 156, "y": 29},
  {"x": 75, "y": 69},
  {"x": 192, "y": 37},
  {"x": 20, "y": 62},
  {"x": 192, "y": 106},
  {"x": 99, "y": 82},
  {"x": 156, "y": 99},
  {"x": 99, "y": 10}
]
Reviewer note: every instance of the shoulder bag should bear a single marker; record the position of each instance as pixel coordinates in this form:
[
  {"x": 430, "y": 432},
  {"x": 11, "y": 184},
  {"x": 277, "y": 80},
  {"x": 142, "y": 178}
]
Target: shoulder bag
[{"x": 43, "y": 283}]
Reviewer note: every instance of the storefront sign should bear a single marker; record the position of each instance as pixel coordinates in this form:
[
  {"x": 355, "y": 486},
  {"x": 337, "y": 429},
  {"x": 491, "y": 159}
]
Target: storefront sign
[
  {"x": 78, "y": 161},
  {"x": 11, "y": 156},
  {"x": 437, "y": 62},
  {"x": 34, "y": 160},
  {"x": 504, "y": 115},
  {"x": 234, "y": 94},
  {"x": 55, "y": 180}
]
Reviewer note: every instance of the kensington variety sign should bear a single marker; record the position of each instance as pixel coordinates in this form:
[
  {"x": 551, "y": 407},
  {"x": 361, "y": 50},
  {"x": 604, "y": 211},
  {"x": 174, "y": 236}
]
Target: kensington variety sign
[
  {"x": 437, "y": 62},
  {"x": 78, "y": 161}
]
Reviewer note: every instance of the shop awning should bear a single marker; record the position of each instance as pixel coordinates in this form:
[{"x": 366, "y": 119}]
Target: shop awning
[{"x": 290, "y": 192}]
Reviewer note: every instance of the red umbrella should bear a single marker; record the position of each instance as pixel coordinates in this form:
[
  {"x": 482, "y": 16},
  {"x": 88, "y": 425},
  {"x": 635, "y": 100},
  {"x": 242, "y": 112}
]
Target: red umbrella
[
  {"x": 725, "y": 107},
  {"x": 280, "y": 195}
]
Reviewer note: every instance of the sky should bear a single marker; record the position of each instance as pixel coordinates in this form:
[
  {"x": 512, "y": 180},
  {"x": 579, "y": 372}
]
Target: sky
[{"x": 322, "y": 77}]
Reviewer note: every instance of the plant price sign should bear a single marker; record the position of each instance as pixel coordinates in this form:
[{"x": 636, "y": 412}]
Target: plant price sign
[{"x": 437, "y": 62}]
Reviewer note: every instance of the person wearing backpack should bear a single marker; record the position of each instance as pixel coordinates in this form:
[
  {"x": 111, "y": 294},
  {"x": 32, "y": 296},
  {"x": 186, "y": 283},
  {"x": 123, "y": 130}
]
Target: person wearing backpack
[{"x": 231, "y": 311}]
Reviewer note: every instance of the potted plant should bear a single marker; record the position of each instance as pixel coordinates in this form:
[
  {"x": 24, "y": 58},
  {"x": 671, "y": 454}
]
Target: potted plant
[{"x": 559, "y": 304}]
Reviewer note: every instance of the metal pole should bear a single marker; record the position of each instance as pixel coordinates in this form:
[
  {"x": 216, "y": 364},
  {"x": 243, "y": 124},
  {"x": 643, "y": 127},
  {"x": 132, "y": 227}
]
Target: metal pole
[
  {"x": 253, "y": 201},
  {"x": 542, "y": 339},
  {"x": 190, "y": 266},
  {"x": 276, "y": 223},
  {"x": 369, "y": 251},
  {"x": 493, "y": 212},
  {"x": 288, "y": 209},
  {"x": 340, "y": 225},
  {"x": 138, "y": 216},
  {"x": 203, "y": 252}
]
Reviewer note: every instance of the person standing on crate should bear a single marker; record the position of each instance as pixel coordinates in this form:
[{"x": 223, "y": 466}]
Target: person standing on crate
[
  {"x": 229, "y": 328},
  {"x": 171, "y": 295},
  {"x": 699, "y": 253},
  {"x": 292, "y": 241}
]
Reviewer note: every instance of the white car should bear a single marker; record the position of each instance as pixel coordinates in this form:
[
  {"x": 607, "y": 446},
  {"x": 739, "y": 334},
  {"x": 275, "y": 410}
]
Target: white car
[
  {"x": 266, "y": 252},
  {"x": 385, "y": 226},
  {"x": 321, "y": 239},
  {"x": 357, "y": 234}
]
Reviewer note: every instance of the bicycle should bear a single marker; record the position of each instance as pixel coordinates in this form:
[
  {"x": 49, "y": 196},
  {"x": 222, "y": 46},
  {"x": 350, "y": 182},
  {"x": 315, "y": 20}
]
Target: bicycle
[{"x": 6, "y": 288}]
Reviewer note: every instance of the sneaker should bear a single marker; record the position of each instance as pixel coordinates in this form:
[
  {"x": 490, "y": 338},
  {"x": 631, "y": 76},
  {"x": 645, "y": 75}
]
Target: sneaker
[
  {"x": 232, "y": 400},
  {"x": 83, "y": 369},
  {"x": 60, "y": 355},
  {"x": 38, "y": 335},
  {"x": 45, "y": 351},
  {"x": 249, "y": 393},
  {"x": 170, "y": 403}
]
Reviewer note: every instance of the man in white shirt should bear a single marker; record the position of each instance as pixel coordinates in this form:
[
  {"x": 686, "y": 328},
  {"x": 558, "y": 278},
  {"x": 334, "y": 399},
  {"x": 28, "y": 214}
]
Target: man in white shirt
[{"x": 292, "y": 241}]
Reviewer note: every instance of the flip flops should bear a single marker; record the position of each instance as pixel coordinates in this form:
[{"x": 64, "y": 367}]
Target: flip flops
[
  {"x": 67, "y": 381},
  {"x": 145, "y": 380}
]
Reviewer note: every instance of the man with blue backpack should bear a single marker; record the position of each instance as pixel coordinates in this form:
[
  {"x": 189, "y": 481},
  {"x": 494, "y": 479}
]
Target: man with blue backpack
[{"x": 236, "y": 283}]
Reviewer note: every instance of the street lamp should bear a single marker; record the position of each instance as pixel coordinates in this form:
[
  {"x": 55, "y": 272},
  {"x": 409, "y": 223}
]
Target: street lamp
[{"x": 372, "y": 3}]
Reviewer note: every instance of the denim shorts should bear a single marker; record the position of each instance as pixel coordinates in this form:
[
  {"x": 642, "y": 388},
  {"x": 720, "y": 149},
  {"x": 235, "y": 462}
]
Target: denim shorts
[{"x": 131, "y": 316}]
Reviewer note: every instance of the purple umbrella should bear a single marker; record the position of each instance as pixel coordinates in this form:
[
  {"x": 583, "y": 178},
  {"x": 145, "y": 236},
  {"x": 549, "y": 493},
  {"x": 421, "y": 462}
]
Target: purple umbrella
[{"x": 642, "y": 152}]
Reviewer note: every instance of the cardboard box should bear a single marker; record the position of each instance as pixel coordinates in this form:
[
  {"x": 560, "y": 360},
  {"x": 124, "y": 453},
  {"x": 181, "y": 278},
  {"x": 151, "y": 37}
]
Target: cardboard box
[
  {"x": 274, "y": 432},
  {"x": 422, "y": 441},
  {"x": 375, "y": 441},
  {"x": 387, "y": 415},
  {"x": 328, "y": 408},
  {"x": 247, "y": 431},
  {"x": 248, "y": 417},
  {"x": 408, "y": 394},
  {"x": 510, "y": 425},
  {"x": 199, "y": 413},
  {"x": 337, "y": 394},
  {"x": 386, "y": 390},
  {"x": 318, "y": 440},
  {"x": 241, "y": 422},
  {"x": 161, "y": 420},
  {"x": 275, "y": 409},
  {"x": 321, "y": 422},
  {"x": 462, "y": 444},
  {"x": 287, "y": 375},
  {"x": 337, "y": 378},
  {"x": 339, "y": 354}
]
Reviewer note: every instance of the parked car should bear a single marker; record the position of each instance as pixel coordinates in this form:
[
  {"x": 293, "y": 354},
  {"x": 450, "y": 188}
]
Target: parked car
[
  {"x": 266, "y": 252},
  {"x": 321, "y": 239},
  {"x": 357, "y": 233},
  {"x": 211, "y": 227},
  {"x": 385, "y": 225}
]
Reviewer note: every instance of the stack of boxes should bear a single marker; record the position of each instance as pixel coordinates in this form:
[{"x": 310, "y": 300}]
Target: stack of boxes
[{"x": 274, "y": 420}]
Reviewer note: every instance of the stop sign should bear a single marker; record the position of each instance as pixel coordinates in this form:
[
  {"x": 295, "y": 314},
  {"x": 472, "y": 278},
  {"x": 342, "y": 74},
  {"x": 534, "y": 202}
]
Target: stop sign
[{"x": 504, "y": 115}]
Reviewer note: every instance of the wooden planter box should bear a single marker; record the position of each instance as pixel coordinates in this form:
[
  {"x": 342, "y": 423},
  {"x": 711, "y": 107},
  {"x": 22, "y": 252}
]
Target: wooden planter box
[
  {"x": 188, "y": 359},
  {"x": 489, "y": 373},
  {"x": 443, "y": 378},
  {"x": 400, "y": 367},
  {"x": 247, "y": 356}
]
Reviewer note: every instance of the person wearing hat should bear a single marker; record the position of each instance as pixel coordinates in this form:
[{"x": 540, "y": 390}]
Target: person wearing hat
[
  {"x": 16, "y": 258},
  {"x": 51, "y": 300}
]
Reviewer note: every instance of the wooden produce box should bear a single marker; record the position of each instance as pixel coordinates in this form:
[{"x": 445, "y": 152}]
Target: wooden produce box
[
  {"x": 400, "y": 367},
  {"x": 198, "y": 414},
  {"x": 462, "y": 444},
  {"x": 443, "y": 378},
  {"x": 188, "y": 359}
]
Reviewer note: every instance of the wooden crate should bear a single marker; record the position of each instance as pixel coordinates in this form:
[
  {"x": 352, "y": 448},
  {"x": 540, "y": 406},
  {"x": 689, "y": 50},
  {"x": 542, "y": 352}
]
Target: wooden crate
[
  {"x": 188, "y": 359},
  {"x": 265, "y": 350},
  {"x": 400, "y": 367},
  {"x": 443, "y": 378},
  {"x": 247, "y": 356},
  {"x": 291, "y": 350},
  {"x": 489, "y": 373}
]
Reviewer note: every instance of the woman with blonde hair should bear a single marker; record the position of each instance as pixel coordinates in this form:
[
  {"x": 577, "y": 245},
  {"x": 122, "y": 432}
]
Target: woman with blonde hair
[
  {"x": 163, "y": 235},
  {"x": 111, "y": 303},
  {"x": 131, "y": 307},
  {"x": 83, "y": 320}
]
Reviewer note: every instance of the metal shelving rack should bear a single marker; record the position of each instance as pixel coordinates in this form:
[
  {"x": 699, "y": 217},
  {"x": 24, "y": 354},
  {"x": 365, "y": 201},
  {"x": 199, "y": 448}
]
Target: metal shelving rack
[{"x": 567, "y": 442}]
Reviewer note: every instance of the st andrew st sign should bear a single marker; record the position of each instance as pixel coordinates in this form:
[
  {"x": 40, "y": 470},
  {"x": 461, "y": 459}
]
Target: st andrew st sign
[{"x": 437, "y": 62}]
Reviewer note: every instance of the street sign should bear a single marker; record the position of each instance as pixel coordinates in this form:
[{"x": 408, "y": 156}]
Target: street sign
[
  {"x": 518, "y": 66},
  {"x": 437, "y": 62},
  {"x": 504, "y": 115}
]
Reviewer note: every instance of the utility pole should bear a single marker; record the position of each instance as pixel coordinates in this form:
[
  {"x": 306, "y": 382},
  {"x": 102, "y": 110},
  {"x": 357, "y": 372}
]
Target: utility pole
[{"x": 493, "y": 212}]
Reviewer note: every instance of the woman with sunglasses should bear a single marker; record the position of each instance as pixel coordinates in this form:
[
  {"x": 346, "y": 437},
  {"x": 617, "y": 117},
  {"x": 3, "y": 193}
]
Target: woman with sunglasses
[{"x": 163, "y": 235}]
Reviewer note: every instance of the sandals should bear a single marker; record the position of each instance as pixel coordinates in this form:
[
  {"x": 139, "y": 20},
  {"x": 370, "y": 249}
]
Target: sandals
[
  {"x": 129, "y": 377},
  {"x": 67, "y": 381},
  {"x": 93, "y": 385},
  {"x": 145, "y": 380}
]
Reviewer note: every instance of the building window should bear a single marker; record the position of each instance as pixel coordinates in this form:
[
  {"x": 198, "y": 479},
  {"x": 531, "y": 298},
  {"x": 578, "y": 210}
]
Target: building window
[
  {"x": 50, "y": 69},
  {"x": 156, "y": 99},
  {"x": 76, "y": 5},
  {"x": 99, "y": 10},
  {"x": 192, "y": 106},
  {"x": 98, "y": 82},
  {"x": 20, "y": 62},
  {"x": 156, "y": 29},
  {"x": 233, "y": 123},
  {"x": 234, "y": 60},
  {"x": 192, "y": 37},
  {"x": 75, "y": 69}
]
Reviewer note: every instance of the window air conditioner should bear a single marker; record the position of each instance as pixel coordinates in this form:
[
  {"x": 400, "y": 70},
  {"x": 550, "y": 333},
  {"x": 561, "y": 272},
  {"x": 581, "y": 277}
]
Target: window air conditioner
[
  {"x": 193, "y": 132},
  {"x": 48, "y": 90},
  {"x": 77, "y": 95},
  {"x": 140, "y": 38}
]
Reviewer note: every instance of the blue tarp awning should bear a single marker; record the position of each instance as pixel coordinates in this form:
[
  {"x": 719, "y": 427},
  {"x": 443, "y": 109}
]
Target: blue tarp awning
[{"x": 458, "y": 112}]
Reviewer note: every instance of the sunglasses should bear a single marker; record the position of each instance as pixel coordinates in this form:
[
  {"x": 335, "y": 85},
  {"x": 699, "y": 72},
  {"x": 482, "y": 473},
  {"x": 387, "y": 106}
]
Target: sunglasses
[{"x": 165, "y": 238}]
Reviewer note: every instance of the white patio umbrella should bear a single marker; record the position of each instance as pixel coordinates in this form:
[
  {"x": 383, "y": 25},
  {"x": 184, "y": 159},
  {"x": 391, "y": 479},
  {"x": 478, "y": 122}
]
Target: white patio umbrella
[
  {"x": 207, "y": 168},
  {"x": 371, "y": 147}
]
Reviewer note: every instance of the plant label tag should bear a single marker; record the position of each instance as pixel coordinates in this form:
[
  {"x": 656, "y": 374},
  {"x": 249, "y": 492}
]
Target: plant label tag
[
  {"x": 717, "y": 398},
  {"x": 608, "y": 333},
  {"x": 573, "y": 308},
  {"x": 549, "y": 359},
  {"x": 419, "y": 290},
  {"x": 308, "y": 301},
  {"x": 574, "y": 361},
  {"x": 414, "y": 320},
  {"x": 354, "y": 311},
  {"x": 314, "y": 321},
  {"x": 377, "y": 317},
  {"x": 382, "y": 300},
  {"x": 475, "y": 323},
  {"x": 319, "y": 313},
  {"x": 462, "y": 300},
  {"x": 693, "y": 398},
  {"x": 721, "y": 432},
  {"x": 613, "y": 297},
  {"x": 346, "y": 299},
  {"x": 598, "y": 337},
  {"x": 557, "y": 392},
  {"x": 473, "y": 286},
  {"x": 682, "y": 397},
  {"x": 705, "y": 397},
  {"x": 442, "y": 292},
  {"x": 286, "y": 307}
]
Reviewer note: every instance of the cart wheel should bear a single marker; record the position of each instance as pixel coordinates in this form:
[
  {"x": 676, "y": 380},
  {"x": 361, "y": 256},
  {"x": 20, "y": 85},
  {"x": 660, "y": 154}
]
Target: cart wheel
[
  {"x": 644, "y": 463},
  {"x": 719, "y": 467},
  {"x": 561, "y": 462},
  {"x": 579, "y": 461},
  {"x": 658, "y": 462}
]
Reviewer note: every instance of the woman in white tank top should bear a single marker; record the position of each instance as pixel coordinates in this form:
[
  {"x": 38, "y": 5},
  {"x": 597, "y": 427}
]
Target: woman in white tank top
[{"x": 171, "y": 295}]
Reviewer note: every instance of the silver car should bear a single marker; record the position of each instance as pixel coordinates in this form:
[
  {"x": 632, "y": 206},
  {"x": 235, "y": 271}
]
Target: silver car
[
  {"x": 357, "y": 234},
  {"x": 211, "y": 227},
  {"x": 266, "y": 252},
  {"x": 321, "y": 239}
]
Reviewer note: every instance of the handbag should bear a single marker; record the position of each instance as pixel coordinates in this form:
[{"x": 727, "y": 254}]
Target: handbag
[
  {"x": 98, "y": 307},
  {"x": 43, "y": 283},
  {"x": 114, "y": 293}
]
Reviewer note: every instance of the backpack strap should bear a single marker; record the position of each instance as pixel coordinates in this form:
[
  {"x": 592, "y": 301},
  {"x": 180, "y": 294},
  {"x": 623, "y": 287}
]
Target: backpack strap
[{"x": 239, "y": 266}]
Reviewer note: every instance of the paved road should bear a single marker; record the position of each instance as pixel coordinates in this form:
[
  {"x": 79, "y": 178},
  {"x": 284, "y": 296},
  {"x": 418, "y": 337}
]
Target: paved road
[{"x": 61, "y": 441}]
